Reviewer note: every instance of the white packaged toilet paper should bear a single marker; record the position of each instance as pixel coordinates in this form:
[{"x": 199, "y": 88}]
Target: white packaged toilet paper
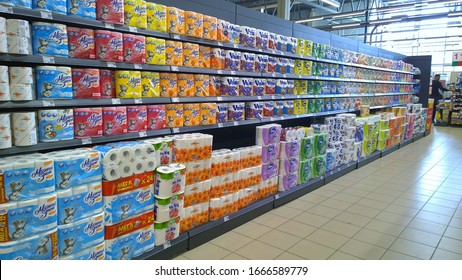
[
  {"x": 18, "y": 45},
  {"x": 21, "y": 75},
  {"x": 24, "y": 129},
  {"x": 5, "y": 92},
  {"x": 4, "y": 79},
  {"x": 22, "y": 92},
  {"x": 5, "y": 132}
]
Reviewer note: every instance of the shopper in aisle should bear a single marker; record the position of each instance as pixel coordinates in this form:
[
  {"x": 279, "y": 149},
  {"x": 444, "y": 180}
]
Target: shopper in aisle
[{"x": 436, "y": 87}]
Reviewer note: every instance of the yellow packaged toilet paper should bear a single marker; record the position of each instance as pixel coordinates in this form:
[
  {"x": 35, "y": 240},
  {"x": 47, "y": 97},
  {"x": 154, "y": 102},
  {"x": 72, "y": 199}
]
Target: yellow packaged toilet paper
[
  {"x": 156, "y": 17},
  {"x": 155, "y": 51},
  {"x": 150, "y": 82},
  {"x": 135, "y": 13},
  {"x": 128, "y": 84}
]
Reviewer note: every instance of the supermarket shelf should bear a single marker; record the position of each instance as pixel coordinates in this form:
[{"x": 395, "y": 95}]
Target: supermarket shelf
[
  {"x": 340, "y": 171},
  {"x": 167, "y": 250},
  {"x": 188, "y": 129},
  {"x": 390, "y": 150},
  {"x": 82, "y": 142},
  {"x": 287, "y": 196},
  {"x": 70, "y": 103},
  {"x": 405, "y": 143},
  {"x": 33, "y": 15},
  {"x": 364, "y": 161},
  {"x": 209, "y": 231}
]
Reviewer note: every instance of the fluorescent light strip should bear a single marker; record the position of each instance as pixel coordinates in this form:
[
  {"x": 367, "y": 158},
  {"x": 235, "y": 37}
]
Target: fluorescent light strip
[
  {"x": 309, "y": 19},
  {"x": 332, "y": 3},
  {"x": 345, "y": 25},
  {"x": 455, "y": 14},
  {"x": 349, "y": 14},
  {"x": 385, "y": 21}
]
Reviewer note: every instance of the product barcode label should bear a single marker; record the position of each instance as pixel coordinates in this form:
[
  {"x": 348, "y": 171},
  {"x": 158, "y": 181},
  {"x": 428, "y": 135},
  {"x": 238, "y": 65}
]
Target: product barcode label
[
  {"x": 138, "y": 101},
  {"x": 176, "y": 130},
  {"x": 48, "y": 103},
  {"x": 175, "y": 68},
  {"x": 176, "y": 36},
  {"x": 273, "y": 51},
  {"x": 273, "y": 97},
  {"x": 282, "y": 118},
  {"x": 133, "y": 29},
  {"x": 109, "y": 25},
  {"x": 115, "y": 101},
  {"x": 86, "y": 141},
  {"x": 260, "y": 50},
  {"x": 138, "y": 66},
  {"x": 167, "y": 245},
  {"x": 226, "y": 218},
  {"x": 273, "y": 75},
  {"x": 111, "y": 64},
  {"x": 175, "y": 99},
  {"x": 4, "y": 9},
  {"x": 284, "y": 75},
  {"x": 46, "y": 15},
  {"x": 48, "y": 59},
  {"x": 259, "y": 97},
  {"x": 142, "y": 133}
]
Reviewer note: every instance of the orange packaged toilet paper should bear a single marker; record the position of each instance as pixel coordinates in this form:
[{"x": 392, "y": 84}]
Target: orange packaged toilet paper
[
  {"x": 175, "y": 20},
  {"x": 173, "y": 53},
  {"x": 204, "y": 56},
  {"x": 193, "y": 24},
  {"x": 174, "y": 115},
  {"x": 190, "y": 55},
  {"x": 185, "y": 85},
  {"x": 191, "y": 113},
  {"x": 168, "y": 85},
  {"x": 210, "y": 28}
]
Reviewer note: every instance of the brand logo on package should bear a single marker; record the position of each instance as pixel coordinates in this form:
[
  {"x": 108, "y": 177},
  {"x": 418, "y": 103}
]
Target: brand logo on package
[
  {"x": 120, "y": 118},
  {"x": 58, "y": 36},
  {"x": 85, "y": 41},
  {"x": 115, "y": 44},
  {"x": 41, "y": 174},
  {"x": 62, "y": 80},
  {"x": 89, "y": 80},
  {"x": 45, "y": 210},
  {"x": 93, "y": 227},
  {"x": 94, "y": 120},
  {"x": 92, "y": 197}
]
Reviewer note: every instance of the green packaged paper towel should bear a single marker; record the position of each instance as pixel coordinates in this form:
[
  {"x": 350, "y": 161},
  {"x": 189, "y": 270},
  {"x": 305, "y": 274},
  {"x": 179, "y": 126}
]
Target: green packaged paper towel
[
  {"x": 383, "y": 124},
  {"x": 384, "y": 134}
]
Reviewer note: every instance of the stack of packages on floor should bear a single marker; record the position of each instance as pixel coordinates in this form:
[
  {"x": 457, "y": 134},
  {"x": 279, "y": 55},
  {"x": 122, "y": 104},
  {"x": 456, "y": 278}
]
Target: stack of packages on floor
[
  {"x": 342, "y": 145},
  {"x": 128, "y": 198},
  {"x": 290, "y": 160},
  {"x": 182, "y": 187},
  {"x": 313, "y": 153},
  {"x": 367, "y": 131},
  {"x": 421, "y": 115},
  {"x": 268, "y": 137},
  {"x": 52, "y": 206}
]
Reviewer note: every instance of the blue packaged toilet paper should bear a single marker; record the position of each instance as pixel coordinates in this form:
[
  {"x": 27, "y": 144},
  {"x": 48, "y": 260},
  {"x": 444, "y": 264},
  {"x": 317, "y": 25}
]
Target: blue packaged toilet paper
[{"x": 49, "y": 39}]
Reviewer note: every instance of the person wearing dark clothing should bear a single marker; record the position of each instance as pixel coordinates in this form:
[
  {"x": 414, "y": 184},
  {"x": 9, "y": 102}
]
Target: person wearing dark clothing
[{"x": 436, "y": 95}]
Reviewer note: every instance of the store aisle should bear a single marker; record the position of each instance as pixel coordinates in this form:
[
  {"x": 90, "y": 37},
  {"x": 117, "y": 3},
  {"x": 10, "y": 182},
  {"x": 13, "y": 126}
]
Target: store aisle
[{"x": 406, "y": 205}]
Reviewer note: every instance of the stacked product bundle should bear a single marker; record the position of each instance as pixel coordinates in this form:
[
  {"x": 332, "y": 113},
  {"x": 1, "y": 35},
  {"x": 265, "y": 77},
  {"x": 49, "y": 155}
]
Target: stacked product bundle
[
  {"x": 289, "y": 159},
  {"x": 369, "y": 133},
  {"x": 342, "y": 148},
  {"x": 268, "y": 137},
  {"x": 320, "y": 148},
  {"x": 128, "y": 198},
  {"x": 80, "y": 204},
  {"x": 192, "y": 164},
  {"x": 28, "y": 208},
  {"x": 306, "y": 156}
]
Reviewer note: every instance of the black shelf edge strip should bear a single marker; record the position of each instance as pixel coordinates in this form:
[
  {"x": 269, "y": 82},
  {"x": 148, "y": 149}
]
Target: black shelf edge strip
[
  {"x": 418, "y": 137},
  {"x": 364, "y": 161},
  {"x": 287, "y": 196},
  {"x": 405, "y": 143},
  {"x": 212, "y": 229},
  {"x": 168, "y": 250},
  {"x": 390, "y": 150}
]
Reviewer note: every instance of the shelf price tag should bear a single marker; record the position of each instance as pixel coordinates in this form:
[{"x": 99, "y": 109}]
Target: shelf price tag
[
  {"x": 176, "y": 130},
  {"x": 219, "y": 98},
  {"x": 175, "y": 99},
  {"x": 220, "y": 125},
  {"x": 167, "y": 245},
  {"x": 276, "y": 196},
  {"x": 111, "y": 64},
  {"x": 273, "y": 97},
  {"x": 48, "y": 103},
  {"x": 260, "y": 50},
  {"x": 236, "y": 123},
  {"x": 46, "y": 15},
  {"x": 115, "y": 101},
  {"x": 273, "y": 75},
  {"x": 109, "y": 25},
  {"x": 133, "y": 29},
  {"x": 143, "y": 134},
  {"x": 273, "y": 51},
  {"x": 176, "y": 36},
  {"x": 48, "y": 59},
  {"x": 138, "y": 66},
  {"x": 259, "y": 97},
  {"x": 86, "y": 141},
  {"x": 138, "y": 101},
  {"x": 4, "y": 9},
  {"x": 226, "y": 218},
  {"x": 233, "y": 72},
  {"x": 174, "y": 68},
  {"x": 282, "y": 118},
  {"x": 220, "y": 44},
  {"x": 273, "y": 119},
  {"x": 236, "y": 45},
  {"x": 220, "y": 72}
]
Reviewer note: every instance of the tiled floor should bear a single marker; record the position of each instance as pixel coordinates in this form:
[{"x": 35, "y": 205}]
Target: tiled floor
[{"x": 406, "y": 205}]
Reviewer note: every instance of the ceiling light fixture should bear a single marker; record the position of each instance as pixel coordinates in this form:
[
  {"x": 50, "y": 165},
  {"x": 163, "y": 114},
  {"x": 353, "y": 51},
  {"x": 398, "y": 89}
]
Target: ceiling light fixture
[
  {"x": 349, "y": 14},
  {"x": 385, "y": 21},
  {"x": 309, "y": 19},
  {"x": 331, "y": 2},
  {"x": 455, "y": 14},
  {"x": 345, "y": 25}
]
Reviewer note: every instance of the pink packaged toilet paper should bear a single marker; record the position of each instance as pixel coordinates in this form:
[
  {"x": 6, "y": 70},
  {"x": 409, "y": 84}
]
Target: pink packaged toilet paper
[
  {"x": 109, "y": 45},
  {"x": 110, "y": 11},
  {"x": 270, "y": 152},
  {"x": 289, "y": 149},
  {"x": 269, "y": 170},
  {"x": 268, "y": 134},
  {"x": 81, "y": 42},
  {"x": 137, "y": 118},
  {"x": 88, "y": 122},
  {"x": 288, "y": 166},
  {"x": 86, "y": 83},
  {"x": 114, "y": 120}
]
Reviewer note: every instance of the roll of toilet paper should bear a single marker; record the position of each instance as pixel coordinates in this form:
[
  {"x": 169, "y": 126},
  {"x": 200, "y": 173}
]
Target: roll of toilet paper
[
  {"x": 4, "y": 74},
  {"x": 139, "y": 166},
  {"x": 24, "y": 129},
  {"x": 126, "y": 169},
  {"x": 21, "y": 75},
  {"x": 3, "y": 43},
  {"x": 5, "y": 92},
  {"x": 165, "y": 177},
  {"x": 18, "y": 27},
  {"x": 5, "y": 131},
  {"x": 22, "y": 92},
  {"x": 18, "y": 45},
  {"x": 111, "y": 173}
]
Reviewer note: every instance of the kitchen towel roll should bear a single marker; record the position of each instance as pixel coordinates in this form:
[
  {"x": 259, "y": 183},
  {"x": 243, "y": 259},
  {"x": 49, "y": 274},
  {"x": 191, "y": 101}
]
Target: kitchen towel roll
[{"x": 24, "y": 129}]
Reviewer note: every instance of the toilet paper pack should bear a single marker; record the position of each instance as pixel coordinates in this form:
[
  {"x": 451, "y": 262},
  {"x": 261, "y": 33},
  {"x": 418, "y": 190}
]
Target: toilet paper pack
[
  {"x": 54, "y": 82},
  {"x": 289, "y": 149},
  {"x": 229, "y": 86},
  {"x": 288, "y": 166},
  {"x": 287, "y": 182},
  {"x": 78, "y": 236},
  {"x": 114, "y": 120},
  {"x": 81, "y": 43},
  {"x": 128, "y": 197},
  {"x": 79, "y": 202},
  {"x": 169, "y": 181},
  {"x": 268, "y": 187},
  {"x": 49, "y": 39},
  {"x": 84, "y": 9},
  {"x": 307, "y": 148},
  {"x": 28, "y": 218},
  {"x": 76, "y": 168},
  {"x": 150, "y": 83},
  {"x": 109, "y": 45},
  {"x": 236, "y": 111},
  {"x": 197, "y": 193},
  {"x": 268, "y": 134},
  {"x": 319, "y": 166},
  {"x": 137, "y": 118},
  {"x": 210, "y": 27},
  {"x": 166, "y": 231},
  {"x": 269, "y": 170},
  {"x": 55, "y": 125},
  {"x": 166, "y": 209},
  {"x": 88, "y": 122},
  {"x": 93, "y": 253},
  {"x": 194, "y": 216},
  {"x": 130, "y": 238},
  {"x": 305, "y": 172},
  {"x": 42, "y": 246},
  {"x": 86, "y": 83},
  {"x": 270, "y": 152},
  {"x": 110, "y": 11},
  {"x": 26, "y": 178},
  {"x": 163, "y": 150},
  {"x": 156, "y": 117}
]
